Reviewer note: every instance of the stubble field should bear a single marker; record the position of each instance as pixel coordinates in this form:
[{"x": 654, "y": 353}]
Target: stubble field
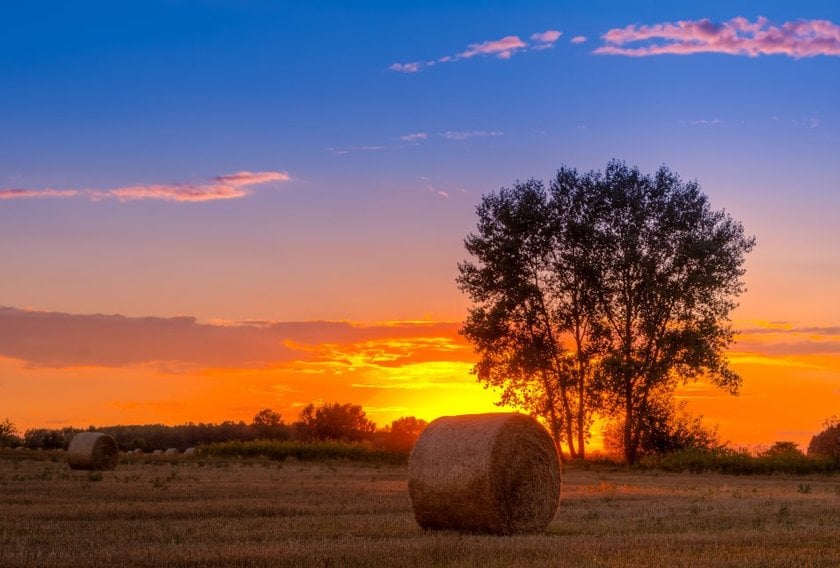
[{"x": 193, "y": 512}]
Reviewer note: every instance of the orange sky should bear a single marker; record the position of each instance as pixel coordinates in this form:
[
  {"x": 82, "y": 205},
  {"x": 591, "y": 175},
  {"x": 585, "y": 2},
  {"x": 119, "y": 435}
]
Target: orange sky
[{"x": 62, "y": 369}]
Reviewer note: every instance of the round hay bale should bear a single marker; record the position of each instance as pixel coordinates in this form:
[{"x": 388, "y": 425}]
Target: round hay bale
[
  {"x": 93, "y": 450},
  {"x": 171, "y": 452},
  {"x": 189, "y": 451},
  {"x": 137, "y": 451},
  {"x": 157, "y": 452},
  {"x": 489, "y": 473}
]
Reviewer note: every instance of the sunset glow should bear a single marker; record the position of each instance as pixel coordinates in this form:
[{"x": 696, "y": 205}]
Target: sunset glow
[{"x": 212, "y": 208}]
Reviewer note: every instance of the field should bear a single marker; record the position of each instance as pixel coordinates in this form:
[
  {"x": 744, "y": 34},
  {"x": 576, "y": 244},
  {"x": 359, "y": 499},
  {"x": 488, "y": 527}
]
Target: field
[{"x": 194, "y": 512}]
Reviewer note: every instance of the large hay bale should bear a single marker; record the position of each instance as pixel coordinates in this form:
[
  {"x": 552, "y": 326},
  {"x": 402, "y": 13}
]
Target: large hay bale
[
  {"x": 189, "y": 451},
  {"x": 93, "y": 450},
  {"x": 492, "y": 473}
]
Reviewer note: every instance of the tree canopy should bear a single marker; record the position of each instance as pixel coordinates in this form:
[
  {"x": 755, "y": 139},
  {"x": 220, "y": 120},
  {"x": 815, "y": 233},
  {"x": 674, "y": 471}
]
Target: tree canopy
[{"x": 600, "y": 294}]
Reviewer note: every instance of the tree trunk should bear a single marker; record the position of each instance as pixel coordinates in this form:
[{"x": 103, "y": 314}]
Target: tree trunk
[{"x": 630, "y": 447}]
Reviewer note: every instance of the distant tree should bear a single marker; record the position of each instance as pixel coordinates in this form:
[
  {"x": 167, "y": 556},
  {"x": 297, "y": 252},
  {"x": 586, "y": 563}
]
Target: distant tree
[
  {"x": 827, "y": 442},
  {"x": 611, "y": 288},
  {"x": 403, "y": 433},
  {"x": 783, "y": 450},
  {"x": 8, "y": 433},
  {"x": 335, "y": 422},
  {"x": 269, "y": 424},
  {"x": 44, "y": 438}
]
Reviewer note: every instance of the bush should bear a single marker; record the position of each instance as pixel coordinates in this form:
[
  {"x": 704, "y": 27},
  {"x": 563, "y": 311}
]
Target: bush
[{"x": 741, "y": 462}]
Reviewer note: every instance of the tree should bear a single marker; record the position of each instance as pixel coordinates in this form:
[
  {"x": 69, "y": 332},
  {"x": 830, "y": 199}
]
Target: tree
[
  {"x": 269, "y": 424},
  {"x": 8, "y": 433},
  {"x": 827, "y": 442},
  {"x": 667, "y": 271},
  {"x": 403, "y": 433},
  {"x": 335, "y": 422},
  {"x": 601, "y": 294},
  {"x": 530, "y": 288},
  {"x": 783, "y": 449}
]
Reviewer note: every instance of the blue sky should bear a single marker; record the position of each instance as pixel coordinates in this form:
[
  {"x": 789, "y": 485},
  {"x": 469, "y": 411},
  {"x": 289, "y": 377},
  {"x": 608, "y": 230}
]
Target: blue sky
[
  {"x": 97, "y": 95},
  {"x": 272, "y": 162}
]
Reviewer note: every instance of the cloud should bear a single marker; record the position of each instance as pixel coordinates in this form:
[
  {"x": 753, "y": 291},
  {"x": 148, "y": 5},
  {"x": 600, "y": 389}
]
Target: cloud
[
  {"x": 348, "y": 149},
  {"x": 60, "y": 340},
  {"x": 464, "y": 135},
  {"x": 738, "y": 36},
  {"x": 240, "y": 179},
  {"x": 229, "y": 186},
  {"x": 578, "y": 39},
  {"x": 35, "y": 193},
  {"x": 414, "y": 137},
  {"x": 546, "y": 39},
  {"x": 704, "y": 122},
  {"x": 503, "y": 48},
  {"x": 436, "y": 191},
  {"x": 412, "y": 67}
]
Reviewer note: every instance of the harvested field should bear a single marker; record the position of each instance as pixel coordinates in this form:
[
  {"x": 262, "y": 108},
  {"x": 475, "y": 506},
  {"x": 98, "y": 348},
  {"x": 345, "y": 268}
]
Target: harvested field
[{"x": 217, "y": 512}]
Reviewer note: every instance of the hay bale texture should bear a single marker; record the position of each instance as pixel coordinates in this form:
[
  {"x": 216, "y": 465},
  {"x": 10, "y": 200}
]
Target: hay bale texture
[
  {"x": 487, "y": 473},
  {"x": 93, "y": 450}
]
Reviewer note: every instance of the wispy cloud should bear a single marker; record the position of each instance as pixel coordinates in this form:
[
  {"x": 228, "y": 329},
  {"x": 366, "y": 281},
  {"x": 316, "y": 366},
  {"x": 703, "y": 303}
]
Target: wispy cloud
[
  {"x": 412, "y": 67},
  {"x": 738, "y": 36},
  {"x": 503, "y": 48},
  {"x": 229, "y": 186},
  {"x": 14, "y": 193},
  {"x": 704, "y": 122},
  {"x": 436, "y": 191},
  {"x": 464, "y": 135},
  {"x": 414, "y": 137},
  {"x": 348, "y": 149},
  {"x": 578, "y": 39}
]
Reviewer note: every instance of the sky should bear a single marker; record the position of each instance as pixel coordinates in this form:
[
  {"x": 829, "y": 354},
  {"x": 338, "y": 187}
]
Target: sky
[{"x": 212, "y": 207}]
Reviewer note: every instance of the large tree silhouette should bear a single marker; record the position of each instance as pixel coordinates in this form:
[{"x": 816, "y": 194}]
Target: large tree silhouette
[{"x": 598, "y": 294}]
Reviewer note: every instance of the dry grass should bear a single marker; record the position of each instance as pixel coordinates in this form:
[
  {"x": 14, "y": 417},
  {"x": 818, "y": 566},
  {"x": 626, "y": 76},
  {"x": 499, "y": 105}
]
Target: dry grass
[{"x": 211, "y": 513}]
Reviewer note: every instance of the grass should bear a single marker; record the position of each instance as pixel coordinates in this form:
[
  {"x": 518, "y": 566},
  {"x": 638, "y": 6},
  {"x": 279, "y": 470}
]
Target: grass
[
  {"x": 316, "y": 451},
  {"x": 214, "y": 512}
]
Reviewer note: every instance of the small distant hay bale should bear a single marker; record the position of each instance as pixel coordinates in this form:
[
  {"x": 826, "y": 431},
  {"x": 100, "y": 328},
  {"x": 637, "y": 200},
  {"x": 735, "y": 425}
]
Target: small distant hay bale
[
  {"x": 189, "y": 452},
  {"x": 137, "y": 451},
  {"x": 484, "y": 473},
  {"x": 93, "y": 450},
  {"x": 172, "y": 452},
  {"x": 157, "y": 452}
]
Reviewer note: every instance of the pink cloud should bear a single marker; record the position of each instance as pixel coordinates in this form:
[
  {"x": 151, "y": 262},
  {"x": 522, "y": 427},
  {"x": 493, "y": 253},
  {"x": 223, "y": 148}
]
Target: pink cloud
[
  {"x": 578, "y": 39},
  {"x": 240, "y": 179},
  {"x": 502, "y": 48},
  {"x": 738, "y": 36},
  {"x": 548, "y": 36},
  {"x": 230, "y": 186},
  {"x": 34, "y": 193}
]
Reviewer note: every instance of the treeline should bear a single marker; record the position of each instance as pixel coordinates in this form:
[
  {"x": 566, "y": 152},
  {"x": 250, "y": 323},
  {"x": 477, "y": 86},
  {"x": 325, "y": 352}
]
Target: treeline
[{"x": 334, "y": 422}]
